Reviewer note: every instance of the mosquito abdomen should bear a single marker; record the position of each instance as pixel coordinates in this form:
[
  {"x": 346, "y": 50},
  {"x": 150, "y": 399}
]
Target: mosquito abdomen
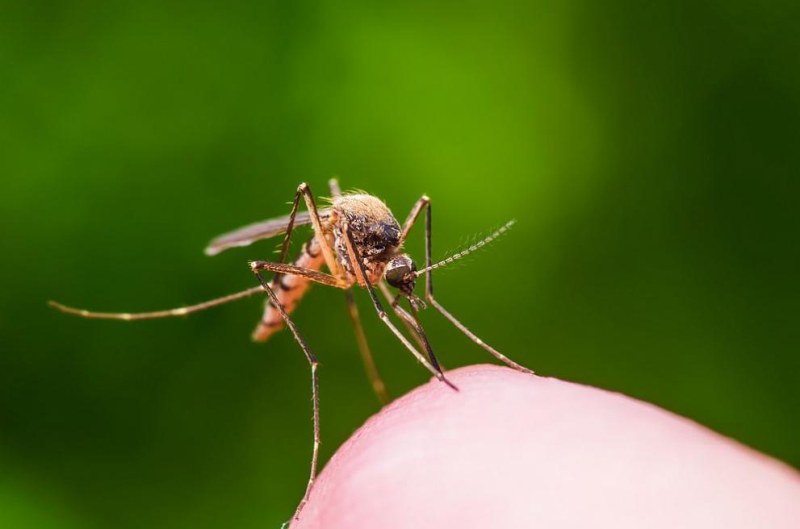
[{"x": 289, "y": 289}]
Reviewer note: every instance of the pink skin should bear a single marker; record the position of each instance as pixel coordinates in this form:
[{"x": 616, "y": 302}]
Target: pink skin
[{"x": 511, "y": 450}]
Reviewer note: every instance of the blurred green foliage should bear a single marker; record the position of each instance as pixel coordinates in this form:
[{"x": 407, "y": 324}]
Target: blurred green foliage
[{"x": 649, "y": 152}]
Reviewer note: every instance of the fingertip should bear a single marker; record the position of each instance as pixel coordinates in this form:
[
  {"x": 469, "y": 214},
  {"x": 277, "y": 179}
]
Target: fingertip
[{"x": 515, "y": 450}]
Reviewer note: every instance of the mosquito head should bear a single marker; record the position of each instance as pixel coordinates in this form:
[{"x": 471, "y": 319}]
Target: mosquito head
[{"x": 399, "y": 273}]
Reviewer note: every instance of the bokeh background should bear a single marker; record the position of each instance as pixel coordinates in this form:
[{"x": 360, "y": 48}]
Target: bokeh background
[{"x": 649, "y": 151}]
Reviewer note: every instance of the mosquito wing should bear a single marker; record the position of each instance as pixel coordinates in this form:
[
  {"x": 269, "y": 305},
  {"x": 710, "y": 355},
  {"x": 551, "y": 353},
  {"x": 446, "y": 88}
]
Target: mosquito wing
[{"x": 265, "y": 229}]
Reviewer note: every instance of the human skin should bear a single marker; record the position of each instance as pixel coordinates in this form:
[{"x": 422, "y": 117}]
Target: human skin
[{"x": 514, "y": 451}]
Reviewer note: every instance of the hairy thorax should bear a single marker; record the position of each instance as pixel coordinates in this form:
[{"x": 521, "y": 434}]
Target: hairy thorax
[{"x": 375, "y": 231}]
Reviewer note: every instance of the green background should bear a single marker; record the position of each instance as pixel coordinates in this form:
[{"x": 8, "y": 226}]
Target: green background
[{"x": 649, "y": 151}]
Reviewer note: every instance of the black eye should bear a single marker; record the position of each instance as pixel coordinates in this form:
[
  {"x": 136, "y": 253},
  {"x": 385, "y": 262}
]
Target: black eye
[
  {"x": 395, "y": 275},
  {"x": 399, "y": 273}
]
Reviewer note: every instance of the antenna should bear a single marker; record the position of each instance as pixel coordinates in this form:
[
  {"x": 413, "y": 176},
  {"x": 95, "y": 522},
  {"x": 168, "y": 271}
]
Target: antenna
[{"x": 478, "y": 245}]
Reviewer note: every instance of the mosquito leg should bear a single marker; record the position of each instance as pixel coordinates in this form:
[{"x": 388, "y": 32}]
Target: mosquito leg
[
  {"x": 289, "y": 228},
  {"x": 405, "y": 318},
  {"x": 361, "y": 338},
  {"x": 180, "y": 311},
  {"x": 362, "y": 276},
  {"x": 263, "y": 324},
  {"x": 429, "y": 288},
  {"x": 366, "y": 354},
  {"x": 302, "y": 191},
  {"x": 423, "y": 203},
  {"x": 312, "y": 360},
  {"x": 313, "y": 275},
  {"x": 327, "y": 251},
  {"x": 497, "y": 354},
  {"x": 412, "y": 323}
]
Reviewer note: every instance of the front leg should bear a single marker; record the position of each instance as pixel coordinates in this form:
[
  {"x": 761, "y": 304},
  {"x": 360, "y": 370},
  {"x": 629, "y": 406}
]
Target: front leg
[
  {"x": 429, "y": 289},
  {"x": 361, "y": 274}
]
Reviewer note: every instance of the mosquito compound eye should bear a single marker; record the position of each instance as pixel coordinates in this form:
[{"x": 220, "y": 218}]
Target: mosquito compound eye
[
  {"x": 396, "y": 275},
  {"x": 398, "y": 271}
]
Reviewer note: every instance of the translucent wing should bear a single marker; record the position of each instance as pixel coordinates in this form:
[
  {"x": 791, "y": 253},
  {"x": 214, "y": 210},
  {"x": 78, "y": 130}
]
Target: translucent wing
[{"x": 265, "y": 229}]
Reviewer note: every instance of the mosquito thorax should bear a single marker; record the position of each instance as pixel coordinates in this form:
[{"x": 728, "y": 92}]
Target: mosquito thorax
[{"x": 399, "y": 273}]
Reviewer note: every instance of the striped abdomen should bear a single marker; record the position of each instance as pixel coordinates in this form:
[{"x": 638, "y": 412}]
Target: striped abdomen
[{"x": 289, "y": 289}]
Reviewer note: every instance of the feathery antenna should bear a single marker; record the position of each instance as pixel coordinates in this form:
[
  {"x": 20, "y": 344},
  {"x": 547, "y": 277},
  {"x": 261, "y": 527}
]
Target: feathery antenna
[{"x": 478, "y": 245}]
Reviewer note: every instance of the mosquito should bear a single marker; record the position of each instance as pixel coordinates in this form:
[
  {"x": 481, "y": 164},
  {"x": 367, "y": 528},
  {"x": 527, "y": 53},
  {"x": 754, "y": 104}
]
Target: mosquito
[{"x": 360, "y": 243}]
